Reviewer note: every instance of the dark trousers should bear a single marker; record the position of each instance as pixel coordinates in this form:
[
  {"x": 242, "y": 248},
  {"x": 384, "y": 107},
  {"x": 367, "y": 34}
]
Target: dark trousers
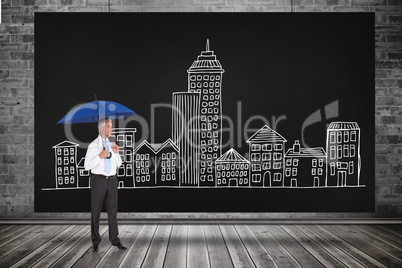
[{"x": 103, "y": 189}]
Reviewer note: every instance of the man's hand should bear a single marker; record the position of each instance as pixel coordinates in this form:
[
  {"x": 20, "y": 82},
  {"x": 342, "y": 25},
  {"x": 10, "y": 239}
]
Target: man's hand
[
  {"x": 103, "y": 154},
  {"x": 115, "y": 148}
]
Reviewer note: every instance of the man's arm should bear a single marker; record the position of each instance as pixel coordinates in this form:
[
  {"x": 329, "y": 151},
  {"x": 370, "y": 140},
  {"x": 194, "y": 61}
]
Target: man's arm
[
  {"x": 92, "y": 158},
  {"x": 116, "y": 155}
]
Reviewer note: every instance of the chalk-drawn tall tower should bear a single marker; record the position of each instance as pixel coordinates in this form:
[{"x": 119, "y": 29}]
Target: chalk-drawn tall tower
[{"x": 205, "y": 77}]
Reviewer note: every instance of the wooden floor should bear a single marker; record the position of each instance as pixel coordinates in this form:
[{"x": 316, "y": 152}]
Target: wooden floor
[{"x": 204, "y": 246}]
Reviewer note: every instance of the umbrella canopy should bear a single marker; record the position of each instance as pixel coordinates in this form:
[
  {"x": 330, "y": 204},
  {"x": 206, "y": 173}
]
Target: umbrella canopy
[{"x": 93, "y": 111}]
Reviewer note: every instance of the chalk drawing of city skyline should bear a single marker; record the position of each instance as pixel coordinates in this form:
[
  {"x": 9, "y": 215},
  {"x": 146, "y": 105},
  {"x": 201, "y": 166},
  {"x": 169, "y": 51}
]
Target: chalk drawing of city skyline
[{"x": 192, "y": 156}]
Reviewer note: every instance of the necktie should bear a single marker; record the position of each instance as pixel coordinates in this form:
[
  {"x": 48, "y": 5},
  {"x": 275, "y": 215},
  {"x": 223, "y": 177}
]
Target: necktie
[{"x": 108, "y": 161}]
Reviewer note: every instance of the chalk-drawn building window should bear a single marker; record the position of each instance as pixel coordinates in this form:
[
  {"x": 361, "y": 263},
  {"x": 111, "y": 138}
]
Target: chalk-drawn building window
[
  {"x": 72, "y": 160},
  {"x": 288, "y": 162},
  {"x": 313, "y": 171},
  {"x": 66, "y": 180},
  {"x": 346, "y": 136},
  {"x": 278, "y": 147},
  {"x": 295, "y": 162},
  {"x": 339, "y": 151},
  {"x": 58, "y": 151},
  {"x": 277, "y": 156},
  {"x": 71, "y": 170},
  {"x": 332, "y": 137},
  {"x": 255, "y": 147},
  {"x": 256, "y": 167},
  {"x": 351, "y": 167},
  {"x": 255, "y": 157},
  {"x": 65, "y": 160},
  {"x": 345, "y": 150},
  {"x": 339, "y": 137},
  {"x": 314, "y": 162},
  {"x": 320, "y": 162},
  {"x": 320, "y": 171},
  {"x": 294, "y": 172},
  {"x": 65, "y": 151},
  {"x": 59, "y": 160},
  {"x": 72, "y": 179},
  {"x": 256, "y": 178},
  {"x": 60, "y": 179},
  {"x": 352, "y": 150},
  {"x": 332, "y": 152},
  {"x": 129, "y": 141},
  {"x": 72, "y": 151},
  {"x": 65, "y": 170},
  {"x": 332, "y": 169},
  {"x": 277, "y": 177},
  {"x": 287, "y": 172},
  {"x": 59, "y": 171},
  {"x": 353, "y": 136},
  {"x": 277, "y": 165}
]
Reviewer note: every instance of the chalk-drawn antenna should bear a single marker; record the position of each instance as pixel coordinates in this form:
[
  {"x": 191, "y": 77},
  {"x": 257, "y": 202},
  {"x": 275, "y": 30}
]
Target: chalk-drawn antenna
[{"x": 207, "y": 45}]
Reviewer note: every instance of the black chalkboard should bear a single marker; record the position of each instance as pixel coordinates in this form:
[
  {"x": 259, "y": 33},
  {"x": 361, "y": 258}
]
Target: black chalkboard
[{"x": 283, "y": 82}]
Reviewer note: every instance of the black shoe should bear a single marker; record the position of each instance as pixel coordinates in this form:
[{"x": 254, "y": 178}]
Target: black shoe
[
  {"x": 120, "y": 246},
  {"x": 95, "y": 248}
]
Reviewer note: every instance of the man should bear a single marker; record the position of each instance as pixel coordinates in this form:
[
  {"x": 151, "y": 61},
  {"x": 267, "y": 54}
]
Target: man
[{"x": 103, "y": 159}]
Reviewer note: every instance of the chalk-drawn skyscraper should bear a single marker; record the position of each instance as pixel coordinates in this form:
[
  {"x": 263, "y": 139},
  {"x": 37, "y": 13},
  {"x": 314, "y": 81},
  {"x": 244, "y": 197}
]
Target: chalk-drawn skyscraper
[
  {"x": 186, "y": 136},
  {"x": 205, "y": 77}
]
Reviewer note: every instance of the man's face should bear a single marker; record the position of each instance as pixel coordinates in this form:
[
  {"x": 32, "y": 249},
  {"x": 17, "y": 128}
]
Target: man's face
[{"x": 106, "y": 129}]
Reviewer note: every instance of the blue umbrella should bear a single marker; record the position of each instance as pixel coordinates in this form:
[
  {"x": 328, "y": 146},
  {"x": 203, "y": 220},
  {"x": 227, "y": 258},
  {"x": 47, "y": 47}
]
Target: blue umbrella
[{"x": 92, "y": 111}]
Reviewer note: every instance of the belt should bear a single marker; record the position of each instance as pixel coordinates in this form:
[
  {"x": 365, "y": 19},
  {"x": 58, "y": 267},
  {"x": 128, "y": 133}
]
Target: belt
[{"x": 104, "y": 177}]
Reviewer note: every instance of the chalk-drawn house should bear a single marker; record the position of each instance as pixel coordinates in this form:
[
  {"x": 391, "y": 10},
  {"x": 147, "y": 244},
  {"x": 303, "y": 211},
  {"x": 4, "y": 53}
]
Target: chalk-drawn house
[
  {"x": 266, "y": 150},
  {"x": 305, "y": 167},
  {"x": 232, "y": 169},
  {"x": 83, "y": 175},
  {"x": 66, "y": 164},
  {"x": 156, "y": 164},
  {"x": 205, "y": 77},
  {"x": 343, "y": 154},
  {"x": 186, "y": 135},
  {"x": 125, "y": 138}
]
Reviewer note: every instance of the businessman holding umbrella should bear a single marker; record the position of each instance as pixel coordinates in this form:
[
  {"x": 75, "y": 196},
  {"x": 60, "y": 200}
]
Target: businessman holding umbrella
[{"x": 102, "y": 159}]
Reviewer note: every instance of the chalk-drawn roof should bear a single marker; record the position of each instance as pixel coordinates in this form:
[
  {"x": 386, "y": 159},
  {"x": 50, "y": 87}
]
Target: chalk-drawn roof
[
  {"x": 232, "y": 156},
  {"x": 206, "y": 61},
  {"x": 81, "y": 163},
  {"x": 156, "y": 147},
  {"x": 307, "y": 152},
  {"x": 343, "y": 126},
  {"x": 65, "y": 143},
  {"x": 266, "y": 134}
]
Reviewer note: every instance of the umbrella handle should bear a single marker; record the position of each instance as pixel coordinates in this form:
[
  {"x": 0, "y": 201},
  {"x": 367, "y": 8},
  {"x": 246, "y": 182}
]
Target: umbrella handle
[{"x": 110, "y": 154}]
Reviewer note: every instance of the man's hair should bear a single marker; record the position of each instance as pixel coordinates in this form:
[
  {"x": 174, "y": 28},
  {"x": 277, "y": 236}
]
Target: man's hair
[{"x": 102, "y": 122}]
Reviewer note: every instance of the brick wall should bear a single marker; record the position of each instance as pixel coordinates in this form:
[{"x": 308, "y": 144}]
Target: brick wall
[{"x": 17, "y": 93}]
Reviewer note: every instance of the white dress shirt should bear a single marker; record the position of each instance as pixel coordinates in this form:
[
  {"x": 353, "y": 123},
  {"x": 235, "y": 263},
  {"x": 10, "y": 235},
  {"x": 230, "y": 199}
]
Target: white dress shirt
[{"x": 97, "y": 165}]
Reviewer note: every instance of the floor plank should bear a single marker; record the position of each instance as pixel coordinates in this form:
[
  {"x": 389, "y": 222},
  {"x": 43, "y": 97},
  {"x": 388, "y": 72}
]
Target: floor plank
[
  {"x": 114, "y": 256},
  {"x": 304, "y": 258},
  {"x": 279, "y": 254},
  {"x": 347, "y": 260},
  {"x": 47, "y": 247},
  {"x": 157, "y": 251},
  {"x": 365, "y": 246},
  {"x": 237, "y": 250},
  {"x": 138, "y": 250},
  {"x": 58, "y": 252},
  {"x": 78, "y": 250},
  {"x": 91, "y": 258},
  {"x": 215, "y": 246},
  {"x": 176, "y": 254},
  {"x": 218, "y": 253},
  {"x": 40, "y": 238},
  {"x": 346, "y": 247},
  {"x": 257, "y": 252},
  {"x": 197, "y": 252}
]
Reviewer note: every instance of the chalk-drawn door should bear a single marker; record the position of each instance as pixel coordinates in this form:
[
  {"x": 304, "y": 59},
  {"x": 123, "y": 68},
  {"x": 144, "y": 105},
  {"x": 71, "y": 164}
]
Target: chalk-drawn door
[
  {"x": 233, "y": 182},
  {"x": 341, "y": 178},
  {"x": 293, "y": 182},
  {"x": 316, "y": 182},
  {"x": 267, "y": 179}
]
